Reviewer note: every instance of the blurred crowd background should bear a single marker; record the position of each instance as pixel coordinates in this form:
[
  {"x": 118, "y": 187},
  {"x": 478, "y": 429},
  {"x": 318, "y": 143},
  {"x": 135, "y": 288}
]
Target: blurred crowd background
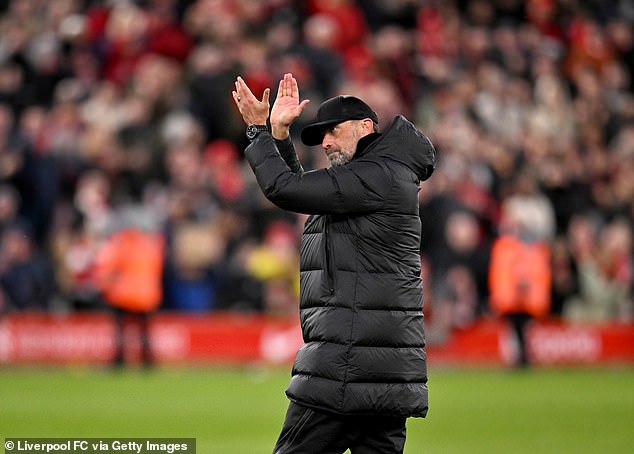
[{"x": 117, "y": 116}]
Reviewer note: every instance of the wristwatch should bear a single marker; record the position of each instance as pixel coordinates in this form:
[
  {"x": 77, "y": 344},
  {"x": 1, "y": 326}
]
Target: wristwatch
[{"x": 254, "y": 130}]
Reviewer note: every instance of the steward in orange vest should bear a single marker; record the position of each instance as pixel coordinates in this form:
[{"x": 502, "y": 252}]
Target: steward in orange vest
[
  {"x": 520, "y": 277},
  {"x": 128, "y": 270},
  {"x": 520, "y": 285}
]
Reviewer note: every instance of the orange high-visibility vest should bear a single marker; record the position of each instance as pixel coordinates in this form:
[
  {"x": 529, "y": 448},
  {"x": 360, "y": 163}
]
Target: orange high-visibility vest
[
  {"x": 520, "y": 277},
  {"x": 128, "y": 270}
]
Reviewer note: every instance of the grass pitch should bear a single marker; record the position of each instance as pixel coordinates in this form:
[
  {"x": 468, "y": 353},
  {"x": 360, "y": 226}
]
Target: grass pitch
[{"x": 240, "y": 411}]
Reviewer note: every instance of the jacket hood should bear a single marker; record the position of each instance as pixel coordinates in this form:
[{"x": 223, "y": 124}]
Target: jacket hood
[{"x": 402, "y": 142}]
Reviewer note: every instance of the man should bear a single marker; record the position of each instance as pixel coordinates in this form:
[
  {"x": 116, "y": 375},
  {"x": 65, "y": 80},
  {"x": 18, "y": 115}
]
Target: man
[{"x": 362, "y": 370}]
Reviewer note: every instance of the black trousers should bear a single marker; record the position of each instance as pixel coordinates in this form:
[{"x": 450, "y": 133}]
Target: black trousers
[
  {"x": 520, "y": 321},
  {"x": 141, "y": 320},
  {"x": 310, "y": 431}
]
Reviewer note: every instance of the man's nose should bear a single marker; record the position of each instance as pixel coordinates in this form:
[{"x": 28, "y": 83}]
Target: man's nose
[{"x": 326, "y": 142}]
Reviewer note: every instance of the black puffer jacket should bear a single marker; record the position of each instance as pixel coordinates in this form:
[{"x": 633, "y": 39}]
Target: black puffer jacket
[{"x": 361, "y": 294}]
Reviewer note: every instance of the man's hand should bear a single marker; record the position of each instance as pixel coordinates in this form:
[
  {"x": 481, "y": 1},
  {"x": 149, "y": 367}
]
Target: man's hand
[
  {"x": 253, "y": 111},
  {"x": 287, "y": 107}
]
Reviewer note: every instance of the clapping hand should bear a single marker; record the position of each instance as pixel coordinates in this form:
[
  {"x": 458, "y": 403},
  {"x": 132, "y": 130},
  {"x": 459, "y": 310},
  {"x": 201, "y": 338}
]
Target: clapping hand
[
  {"x": 253, "y": 111},
  {"x": 286, "y": 108}
]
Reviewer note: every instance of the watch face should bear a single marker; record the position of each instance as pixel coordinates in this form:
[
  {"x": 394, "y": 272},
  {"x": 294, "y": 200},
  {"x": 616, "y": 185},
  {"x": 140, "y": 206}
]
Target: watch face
[{"x": 254, "y": 130}]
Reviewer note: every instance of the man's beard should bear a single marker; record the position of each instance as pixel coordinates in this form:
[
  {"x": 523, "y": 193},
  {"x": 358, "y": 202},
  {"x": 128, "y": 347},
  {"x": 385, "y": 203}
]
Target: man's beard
[
  {"x": 338, "y": 160},
  {"x": 342, "y": 158}
]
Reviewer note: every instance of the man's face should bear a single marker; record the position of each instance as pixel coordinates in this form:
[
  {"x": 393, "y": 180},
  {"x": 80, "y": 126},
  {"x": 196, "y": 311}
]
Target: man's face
[{"x": 340, "y": 140}]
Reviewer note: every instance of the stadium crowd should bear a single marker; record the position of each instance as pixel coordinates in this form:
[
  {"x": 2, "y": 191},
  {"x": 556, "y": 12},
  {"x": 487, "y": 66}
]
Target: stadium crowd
[{"x": 118, "y": 115}]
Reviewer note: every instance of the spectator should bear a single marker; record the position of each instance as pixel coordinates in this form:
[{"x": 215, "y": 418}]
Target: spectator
[
  {"x": 9, "y": 206},
  {"x": 457, "y": 248},
  {"x": 606, "y": 271},
  {"x": 26, "y": 278},
  {"x": 275, "y": 263},
  {"x": 190, "y": 280}
]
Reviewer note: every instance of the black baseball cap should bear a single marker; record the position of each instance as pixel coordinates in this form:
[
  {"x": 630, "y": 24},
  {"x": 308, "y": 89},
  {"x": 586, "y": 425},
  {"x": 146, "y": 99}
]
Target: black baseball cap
[{"x": 336, "y": 110}]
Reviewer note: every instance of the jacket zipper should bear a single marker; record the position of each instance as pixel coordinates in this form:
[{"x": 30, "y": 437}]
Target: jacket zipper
[{"x": 329, "y": 256}]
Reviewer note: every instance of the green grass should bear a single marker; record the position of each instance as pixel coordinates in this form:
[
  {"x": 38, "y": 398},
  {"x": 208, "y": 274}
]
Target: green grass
[{"x": 233, "y": 411}]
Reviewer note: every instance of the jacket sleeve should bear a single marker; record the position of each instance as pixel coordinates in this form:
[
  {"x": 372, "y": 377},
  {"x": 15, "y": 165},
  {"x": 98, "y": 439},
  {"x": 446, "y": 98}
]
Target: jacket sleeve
[
  {"x": 287, "y": 151},
  {"x": 358, "y": 187}
]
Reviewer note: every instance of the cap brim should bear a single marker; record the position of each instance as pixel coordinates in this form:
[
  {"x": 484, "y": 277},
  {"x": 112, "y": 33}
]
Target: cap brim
[{"x": 313, "y": 134}]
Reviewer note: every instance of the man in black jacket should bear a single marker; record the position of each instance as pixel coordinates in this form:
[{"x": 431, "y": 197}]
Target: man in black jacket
[{"x": 362, "y": 369}]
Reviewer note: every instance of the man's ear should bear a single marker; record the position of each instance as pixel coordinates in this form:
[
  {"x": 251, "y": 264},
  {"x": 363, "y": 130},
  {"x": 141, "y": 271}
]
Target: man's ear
[{"x": 368, "y": 125}]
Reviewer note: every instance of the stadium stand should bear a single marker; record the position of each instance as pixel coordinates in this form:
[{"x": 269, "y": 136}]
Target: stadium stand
[{"x": 118, "y": 114}]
